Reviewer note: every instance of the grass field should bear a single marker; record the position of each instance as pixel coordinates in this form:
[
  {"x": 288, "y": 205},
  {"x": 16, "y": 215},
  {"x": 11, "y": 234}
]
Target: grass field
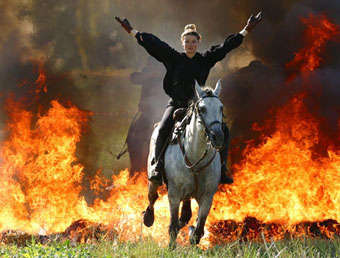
[{"x": 288, "y": 248}]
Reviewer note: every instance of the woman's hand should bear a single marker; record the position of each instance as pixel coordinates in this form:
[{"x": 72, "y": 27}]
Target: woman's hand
[
  {"x": 252, "y": 21},
  {"x": 124, "y": 23}
]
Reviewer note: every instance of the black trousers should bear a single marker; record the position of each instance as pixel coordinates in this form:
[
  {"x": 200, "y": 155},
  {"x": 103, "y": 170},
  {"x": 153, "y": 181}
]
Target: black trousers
[
  {"x": 167, "y": 121},
  {"x": 166, "y": 124},
  {"x": 225, "y": 149}
]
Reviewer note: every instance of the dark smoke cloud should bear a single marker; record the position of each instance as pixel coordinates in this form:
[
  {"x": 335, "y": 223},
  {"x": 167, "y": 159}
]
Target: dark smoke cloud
[{"x": 89, "y": 58}]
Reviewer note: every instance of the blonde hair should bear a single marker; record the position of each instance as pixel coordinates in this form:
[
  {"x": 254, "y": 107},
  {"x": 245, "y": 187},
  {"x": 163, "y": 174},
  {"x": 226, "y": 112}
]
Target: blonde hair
[{"x": 190, "y": 29}]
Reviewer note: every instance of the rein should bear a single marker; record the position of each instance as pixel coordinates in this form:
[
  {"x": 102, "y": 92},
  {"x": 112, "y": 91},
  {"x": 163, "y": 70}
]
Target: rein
[{"x": 187, "y": 162}]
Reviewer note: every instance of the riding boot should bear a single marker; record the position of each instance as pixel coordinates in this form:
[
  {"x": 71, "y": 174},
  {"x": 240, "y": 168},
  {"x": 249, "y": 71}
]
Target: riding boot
[
  {"x": 157, "y": 162},
  {"x": 225, "y": 179}
]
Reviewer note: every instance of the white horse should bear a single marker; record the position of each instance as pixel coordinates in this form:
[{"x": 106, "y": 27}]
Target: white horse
[{"x": 192, "y": 165}]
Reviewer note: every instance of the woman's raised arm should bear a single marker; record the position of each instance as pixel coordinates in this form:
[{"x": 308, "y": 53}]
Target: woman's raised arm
[
  {"x": 217, "y": 53},
  {"x": 153, "y": 45}
]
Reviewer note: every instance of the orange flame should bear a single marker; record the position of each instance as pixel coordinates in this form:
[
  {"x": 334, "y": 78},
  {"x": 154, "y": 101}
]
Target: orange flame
[
  {"x": 38, "y": 170},
  {"x": 40, "y": 190},
  {"x": 41, "y": 80},
  {"x": 319, "y": 30},
  {"x": 280, "y": 181}
]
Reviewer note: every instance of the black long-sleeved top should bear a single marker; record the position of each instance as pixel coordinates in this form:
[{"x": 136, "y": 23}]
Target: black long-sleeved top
[{"x": 182, "y": 71}]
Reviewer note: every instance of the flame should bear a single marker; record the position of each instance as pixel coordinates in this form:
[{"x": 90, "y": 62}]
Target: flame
[
  {"x": 40, "y": 190},
  {"x": 319, "y": 30},
  {"x": 38, "y": 170},
  {"x": 281, "y": 181}
]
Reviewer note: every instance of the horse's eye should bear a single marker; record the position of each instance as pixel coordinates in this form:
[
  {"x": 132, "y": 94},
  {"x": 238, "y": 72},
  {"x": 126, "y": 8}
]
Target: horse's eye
[
  {"x": 203, "y": 109},
  {"x": 221, "y": 108}
]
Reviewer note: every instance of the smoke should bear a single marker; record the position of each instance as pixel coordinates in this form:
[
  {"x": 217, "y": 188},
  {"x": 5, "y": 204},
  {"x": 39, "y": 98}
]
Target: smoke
[{"x": 89, "y": 58}]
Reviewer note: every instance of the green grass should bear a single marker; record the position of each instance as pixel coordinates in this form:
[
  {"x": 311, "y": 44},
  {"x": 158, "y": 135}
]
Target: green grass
[{"x": 149, "y": 248}]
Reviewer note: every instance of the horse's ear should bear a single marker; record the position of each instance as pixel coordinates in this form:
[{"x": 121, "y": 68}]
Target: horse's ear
[
  {"x": 198, "y": 90},
  {"x": 218, "y": 88}
]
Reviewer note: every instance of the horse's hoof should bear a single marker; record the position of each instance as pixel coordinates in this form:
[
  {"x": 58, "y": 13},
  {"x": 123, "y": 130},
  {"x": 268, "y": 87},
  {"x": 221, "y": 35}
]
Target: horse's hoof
[
  {"x": 148, "y": 217},
  {"x": 172, "y": 245},
  {"x": 194, "y": 239}
]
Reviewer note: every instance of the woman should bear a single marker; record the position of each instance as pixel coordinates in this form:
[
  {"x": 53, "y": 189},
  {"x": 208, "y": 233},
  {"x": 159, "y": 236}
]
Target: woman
[{"x": 182, "y": 69}]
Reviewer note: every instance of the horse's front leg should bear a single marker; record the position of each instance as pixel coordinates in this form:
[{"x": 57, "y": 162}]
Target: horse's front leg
[
  {"x": 186, "y": 213},
  {"x": 149, "y": 216},
  {"x": 174, "y": 221},
  {"x": 204, "y": 207}
]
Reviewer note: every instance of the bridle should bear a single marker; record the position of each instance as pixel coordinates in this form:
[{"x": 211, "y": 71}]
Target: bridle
[
  {"x": 199, "y": 113},
  {"x": 194, "y": 167}
]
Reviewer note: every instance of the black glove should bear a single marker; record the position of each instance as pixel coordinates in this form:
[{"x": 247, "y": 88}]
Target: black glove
[
  {"x": 253, "y": 21},
  {"x": 124, "y": 23}
]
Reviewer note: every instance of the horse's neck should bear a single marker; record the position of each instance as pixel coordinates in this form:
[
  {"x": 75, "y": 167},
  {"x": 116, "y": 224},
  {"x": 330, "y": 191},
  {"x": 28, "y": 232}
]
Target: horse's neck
[{"x": 195, "y": 140}]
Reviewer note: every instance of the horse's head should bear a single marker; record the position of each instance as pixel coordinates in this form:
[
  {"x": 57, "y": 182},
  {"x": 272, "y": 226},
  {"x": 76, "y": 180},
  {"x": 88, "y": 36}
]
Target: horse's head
[{"x": 210, "y": 112}]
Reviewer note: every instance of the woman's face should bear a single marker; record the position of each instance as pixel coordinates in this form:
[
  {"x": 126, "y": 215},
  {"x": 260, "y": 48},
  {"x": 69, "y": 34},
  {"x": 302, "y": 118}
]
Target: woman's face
[{"x": 190, "y": 44}]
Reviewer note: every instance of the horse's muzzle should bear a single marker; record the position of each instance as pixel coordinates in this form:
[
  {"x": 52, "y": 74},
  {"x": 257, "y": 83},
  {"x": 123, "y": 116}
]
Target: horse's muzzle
[{"x": 216, "y": 137}]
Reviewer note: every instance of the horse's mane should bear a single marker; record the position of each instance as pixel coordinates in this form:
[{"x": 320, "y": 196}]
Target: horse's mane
[{"x": 190, "y": 108}]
